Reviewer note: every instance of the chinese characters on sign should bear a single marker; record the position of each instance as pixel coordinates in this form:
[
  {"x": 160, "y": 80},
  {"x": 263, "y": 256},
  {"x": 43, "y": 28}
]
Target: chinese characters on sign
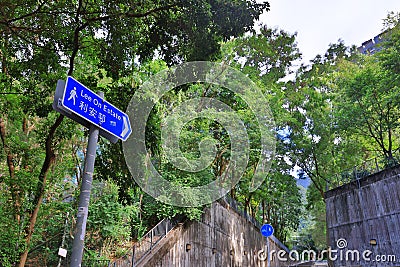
[{"x": 88, "y": 105}]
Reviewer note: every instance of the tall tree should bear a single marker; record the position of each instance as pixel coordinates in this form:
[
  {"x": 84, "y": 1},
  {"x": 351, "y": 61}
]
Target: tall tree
[
  {"x": 267, "y": 57},
  {"x": 317, "y": 145},
  {"x": 368, "y": 104}
]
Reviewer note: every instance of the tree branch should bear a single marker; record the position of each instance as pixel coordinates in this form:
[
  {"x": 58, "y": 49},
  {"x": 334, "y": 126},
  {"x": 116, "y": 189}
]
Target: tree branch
[
  {"x": 29, "y": 14},
  {"x": 133, "y": 15},
  {"x": 40, "y": 189}
]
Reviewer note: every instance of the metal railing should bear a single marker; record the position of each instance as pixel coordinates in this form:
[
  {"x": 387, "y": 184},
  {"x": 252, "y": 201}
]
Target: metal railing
[
  {"x": 146, "y": 243},
  {"x": 239, "y": 208},
  {"x": 95, "y": 263},
  {"x": 368, "y": 167}
]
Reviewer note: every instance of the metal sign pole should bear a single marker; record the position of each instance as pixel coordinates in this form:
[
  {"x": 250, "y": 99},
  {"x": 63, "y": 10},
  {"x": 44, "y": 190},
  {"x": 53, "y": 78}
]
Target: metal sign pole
[
  {"x": 74, "y": 100},
  {"x": 268, "y": 258},
  {"x": 84, "y": 196},
  {"x": 267, "y": 230}
]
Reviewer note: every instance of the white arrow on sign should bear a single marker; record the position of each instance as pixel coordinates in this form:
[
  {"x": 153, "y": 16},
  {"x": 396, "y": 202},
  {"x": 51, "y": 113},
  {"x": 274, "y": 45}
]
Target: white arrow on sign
[{"x": 126, "y": 127}]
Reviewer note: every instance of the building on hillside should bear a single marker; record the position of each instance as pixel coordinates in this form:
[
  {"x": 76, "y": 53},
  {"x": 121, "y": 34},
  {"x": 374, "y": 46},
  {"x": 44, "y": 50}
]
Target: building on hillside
[{"x": 372, "y": 45}]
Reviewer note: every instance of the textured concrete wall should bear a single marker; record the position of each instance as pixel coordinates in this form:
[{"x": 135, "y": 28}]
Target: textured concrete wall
[
  {"x": 364, "y": 210},
  {"x": 221, "y": 238}
]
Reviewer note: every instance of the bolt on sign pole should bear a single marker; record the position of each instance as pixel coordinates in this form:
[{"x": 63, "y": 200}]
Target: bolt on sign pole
[{"x": 84, "y": 197}]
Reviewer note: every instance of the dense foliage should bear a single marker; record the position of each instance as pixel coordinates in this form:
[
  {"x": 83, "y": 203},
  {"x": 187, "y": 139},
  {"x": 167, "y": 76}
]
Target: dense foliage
[{"x": 336, "y": 112}]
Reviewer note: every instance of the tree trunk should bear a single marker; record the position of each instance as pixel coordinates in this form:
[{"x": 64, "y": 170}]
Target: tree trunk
[
  {"x": 29, "y": 230},
  {"x": 15, "y": 192},
  {"x": 263, "y": 211},
  {"x": 50, "y": 156},
  {"x": 40, "y": 190}
]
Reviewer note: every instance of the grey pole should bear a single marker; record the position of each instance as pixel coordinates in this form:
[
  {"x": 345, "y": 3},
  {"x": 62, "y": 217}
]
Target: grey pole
[
  {"x": 84, "y": 196},
  {"x": 269, "y": 260}
]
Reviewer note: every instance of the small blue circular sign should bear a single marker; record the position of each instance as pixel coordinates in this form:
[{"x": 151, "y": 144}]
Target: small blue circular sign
[{"x": 267, "y": 230}]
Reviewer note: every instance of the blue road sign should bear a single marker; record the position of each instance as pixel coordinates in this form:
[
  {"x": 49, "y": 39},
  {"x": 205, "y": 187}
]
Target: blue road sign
[
  {"x": 267, "y": 230},
  {"x": 88, "y": 105}
]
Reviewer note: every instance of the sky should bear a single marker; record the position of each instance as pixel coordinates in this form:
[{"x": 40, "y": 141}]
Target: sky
[{"x": 319, "y": 23}]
